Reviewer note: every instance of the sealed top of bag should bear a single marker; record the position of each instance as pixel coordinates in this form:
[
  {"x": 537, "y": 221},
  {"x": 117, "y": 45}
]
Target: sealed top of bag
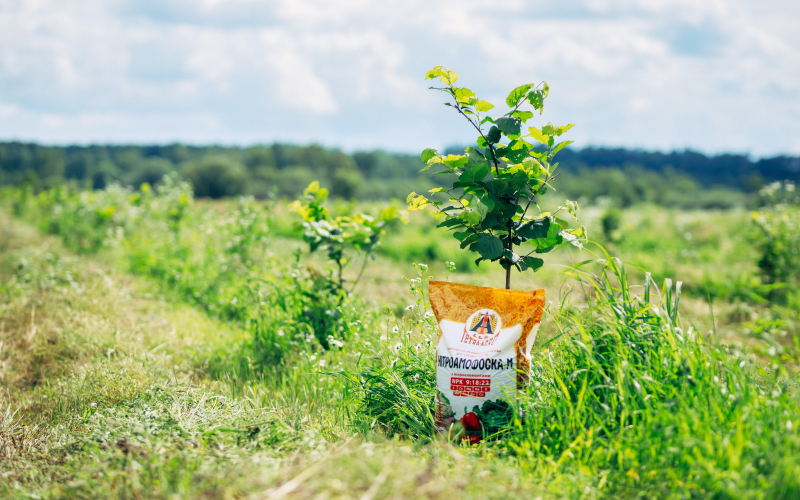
[{"x": 456, "y": 302}]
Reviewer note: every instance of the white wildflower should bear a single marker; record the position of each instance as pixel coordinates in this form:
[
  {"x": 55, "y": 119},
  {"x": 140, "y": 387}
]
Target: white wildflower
[
  {"x": 281, "y": 333},
  {"x": 321, "y": 363},
  {"x": 410, "y": 307},
  {"x": 398, "y": 346},
  {"x": 312, "y": 357},
  {"x": 395, "y": 329}
]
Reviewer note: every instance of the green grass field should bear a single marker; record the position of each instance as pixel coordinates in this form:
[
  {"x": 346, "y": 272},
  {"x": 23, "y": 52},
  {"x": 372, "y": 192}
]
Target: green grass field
[{"x": 152, "y": 347}]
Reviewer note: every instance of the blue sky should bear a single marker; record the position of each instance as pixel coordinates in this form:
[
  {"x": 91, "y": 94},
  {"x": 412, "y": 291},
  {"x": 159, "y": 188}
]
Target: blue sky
[{"x": 715, "y": 76}]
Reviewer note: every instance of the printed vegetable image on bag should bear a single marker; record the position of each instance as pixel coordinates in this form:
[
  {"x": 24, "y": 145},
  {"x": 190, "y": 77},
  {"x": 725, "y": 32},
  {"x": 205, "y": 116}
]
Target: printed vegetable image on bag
[{"x": 483, "y": 353}]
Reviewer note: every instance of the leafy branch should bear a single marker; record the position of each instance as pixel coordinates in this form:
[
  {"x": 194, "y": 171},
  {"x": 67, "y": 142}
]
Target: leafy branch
[
  {"x": 495, "y": 179},
  {"x": 335, "y": 235}
]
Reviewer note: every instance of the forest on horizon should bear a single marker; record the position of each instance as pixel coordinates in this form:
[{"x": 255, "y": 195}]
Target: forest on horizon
[{"x": 686, "y": 179}]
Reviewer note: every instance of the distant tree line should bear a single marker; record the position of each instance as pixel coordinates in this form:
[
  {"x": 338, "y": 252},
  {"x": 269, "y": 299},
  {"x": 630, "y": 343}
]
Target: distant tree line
[{"x": 678, "y": 178}]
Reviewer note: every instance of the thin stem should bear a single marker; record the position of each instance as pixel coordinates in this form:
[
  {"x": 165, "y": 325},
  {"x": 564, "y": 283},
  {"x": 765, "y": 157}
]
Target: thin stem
[
  {"x": 511, "y": 249},
  {"x": 491, "y": 149},
  {"x": 360, "y": 273}
]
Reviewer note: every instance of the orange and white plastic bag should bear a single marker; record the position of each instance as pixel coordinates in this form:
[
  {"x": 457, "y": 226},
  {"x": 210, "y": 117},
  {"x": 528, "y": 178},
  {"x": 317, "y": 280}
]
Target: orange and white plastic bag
[{"x": 483, "y": 354}]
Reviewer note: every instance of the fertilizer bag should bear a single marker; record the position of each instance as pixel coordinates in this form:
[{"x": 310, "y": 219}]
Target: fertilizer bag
[{"x": 483, "y": 353}]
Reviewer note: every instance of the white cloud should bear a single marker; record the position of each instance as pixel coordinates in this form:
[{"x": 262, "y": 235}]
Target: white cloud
[{"x": 711, "y": 75}]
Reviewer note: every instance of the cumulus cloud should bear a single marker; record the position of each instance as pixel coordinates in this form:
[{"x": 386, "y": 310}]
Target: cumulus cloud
[{"x": 710, "y": 75}]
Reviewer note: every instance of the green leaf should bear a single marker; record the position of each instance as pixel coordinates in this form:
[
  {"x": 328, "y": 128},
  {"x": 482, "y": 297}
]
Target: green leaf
[
  {"x": 463, "y": 95},
  {"x": 487, "y": 199},
  {"x": 549, "y": 129},
  {"x": 483, "y": 106},
  {"x": 561, "y": 145},
  {"x": 474, "y": 173},
  {"x": 490, "y": 247},
  {"x": 469, "y": 240},
  {"x": 474, "y": 156},
  {"x": 455, "y": 161},
  {"x": 445, "y": 75},
  {"x": 451, "y": 222},
  {"x": 494, "y": 135},
  {"x": 553, "y": 238},
  {"x": 428, "y": 154},
  {"x": 462, "y": 235},
  {"x": 534, "y": 229},
  {"x": 522, "y": 115},
  {"x": 538, "y": 135},
  {"x": 534, "y": 263},
  {"x": 571, "y": 238},
  {"x": 438, "y": 190},
  {"x": 563, "y": 128},
  {"x": 490, "y": 222},
  {"x": 536, "y": 98},
  {"x": 480, "y": 207},
  {"x": 518, "y": 93},
  {"x": 471, "y": 217},
  {"x": 509, "y": 125}
]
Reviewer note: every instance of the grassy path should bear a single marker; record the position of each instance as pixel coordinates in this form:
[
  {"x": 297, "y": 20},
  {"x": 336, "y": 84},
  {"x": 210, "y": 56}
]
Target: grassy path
[{"x": 105, "y": 395}]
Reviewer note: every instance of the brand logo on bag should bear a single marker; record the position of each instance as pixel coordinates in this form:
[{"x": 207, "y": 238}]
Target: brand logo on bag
[{"x": 482, "y": 328}]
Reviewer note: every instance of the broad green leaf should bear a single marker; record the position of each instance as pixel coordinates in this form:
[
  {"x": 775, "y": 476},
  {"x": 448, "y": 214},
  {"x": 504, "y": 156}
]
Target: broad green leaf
[
  {"x": 534, "y": 167},
  {"x": 483, "y": 106},
  {"x": 502, "y": 187},
  {"x": 494, "y": 135},
  {"x": 534, "y": 263},
  {"x": 522, "y": 115},
  {"x": 471, "y": 217},
  {"x": 549, "y": 129},
  {"x": 553, "y": 238},
  {"x": 461, "y": 235},
  {"x": 455, "y": 161},
  {"x": 469, "y": 240},
  {"x": 438, "y": 190},
  {"x": 474, "y": 156},
  {"x": 487, "y": 199},
  {"x": 474, "y": 173},
  {"x": 477, "y": 205},
  {"x": 417, "y": 201},
  {"x": 571, "y": 238},
  {"x": 463, "y": 95},
  {"x": 451, "y": 222},
  {"x": 445, "y": 75},
  {"x": 490, "y": 222},
  {"x": 538, "y": 135},
  {"x": 536, "y": 98},
  {"x": 571, "y": 207},
  {"x": 508, "y": 125},
  {"x": 490, "y": 247},
  {"x": 428, "y": 154},
  {"x": 563, "y": 128},
  {"x": 534, "y": 229},
  {"x": 560, "y": 146},
  {"x": 518, "y": 93}
]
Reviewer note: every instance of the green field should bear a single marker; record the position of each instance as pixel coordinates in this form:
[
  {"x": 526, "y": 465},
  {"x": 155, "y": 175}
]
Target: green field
[{"x": 153, "y": 346}]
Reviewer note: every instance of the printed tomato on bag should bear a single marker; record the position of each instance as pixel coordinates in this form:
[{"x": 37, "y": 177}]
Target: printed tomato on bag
[{"x": 483, "y": 354}]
